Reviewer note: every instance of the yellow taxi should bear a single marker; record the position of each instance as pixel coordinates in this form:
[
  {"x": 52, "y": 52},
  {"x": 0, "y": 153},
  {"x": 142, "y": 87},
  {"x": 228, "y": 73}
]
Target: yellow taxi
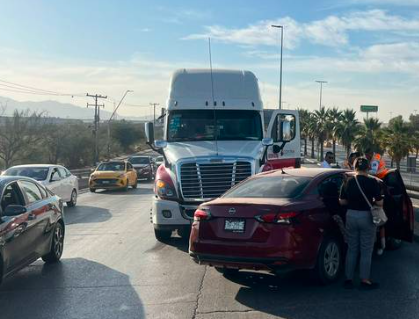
[{"x": 113, "y": 175}]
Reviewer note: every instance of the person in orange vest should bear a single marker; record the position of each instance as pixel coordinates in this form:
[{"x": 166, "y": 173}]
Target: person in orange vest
[
  {"x": 377, "y": 164},
  {"x": 378, "y": 169}
]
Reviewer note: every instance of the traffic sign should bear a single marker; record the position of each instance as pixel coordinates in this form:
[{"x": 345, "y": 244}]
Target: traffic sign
[{"x": 369, "y": 108}]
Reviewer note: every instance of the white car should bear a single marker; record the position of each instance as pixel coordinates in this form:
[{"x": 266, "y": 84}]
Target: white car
[{"x": 56, "y": 178}]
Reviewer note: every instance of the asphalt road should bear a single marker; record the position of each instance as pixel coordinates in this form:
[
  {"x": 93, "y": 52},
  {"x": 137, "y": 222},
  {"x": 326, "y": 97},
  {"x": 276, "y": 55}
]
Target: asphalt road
[{"x": 114, "y": 268}]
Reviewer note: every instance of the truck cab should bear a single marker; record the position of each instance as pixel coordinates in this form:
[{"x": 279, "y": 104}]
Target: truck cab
[{"x": 215, "y": 136}]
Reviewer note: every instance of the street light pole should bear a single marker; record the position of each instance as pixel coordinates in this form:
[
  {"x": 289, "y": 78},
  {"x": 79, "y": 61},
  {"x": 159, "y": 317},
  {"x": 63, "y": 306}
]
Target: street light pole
[
  {"x": 110, "y": 119},
  {"x": 321, "y": 92},
  {"x": 280, "y": 67}
]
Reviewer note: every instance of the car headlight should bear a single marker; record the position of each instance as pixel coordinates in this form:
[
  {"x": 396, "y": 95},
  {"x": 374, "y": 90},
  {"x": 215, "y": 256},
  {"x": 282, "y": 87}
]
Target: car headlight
[
  {"x": 164, "y": 190},
  {"x": 121, "y": 175}
]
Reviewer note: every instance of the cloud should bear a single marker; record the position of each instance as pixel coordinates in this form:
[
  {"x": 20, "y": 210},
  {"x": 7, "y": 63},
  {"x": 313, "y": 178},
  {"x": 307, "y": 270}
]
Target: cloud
[
  {"x": 388, "y": 2},
  {"x": 145, "y": 30},
  {"x": 331, "y": 31}
]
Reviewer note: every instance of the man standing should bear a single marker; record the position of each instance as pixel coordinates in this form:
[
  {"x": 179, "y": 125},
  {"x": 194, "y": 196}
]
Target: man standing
[{"x": 328, "y": 159}]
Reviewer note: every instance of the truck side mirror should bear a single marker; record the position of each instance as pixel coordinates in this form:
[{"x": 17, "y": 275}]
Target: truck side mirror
[
  {"x": 149, "y": 133},
  {"x": 159, "y": 144},
  {"x": 267, "y": 141}
]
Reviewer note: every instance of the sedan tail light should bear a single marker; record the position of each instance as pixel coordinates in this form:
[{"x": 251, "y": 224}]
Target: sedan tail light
[
  {"x": 272, "y": 218},
  {"x": 201, "y": 214}
]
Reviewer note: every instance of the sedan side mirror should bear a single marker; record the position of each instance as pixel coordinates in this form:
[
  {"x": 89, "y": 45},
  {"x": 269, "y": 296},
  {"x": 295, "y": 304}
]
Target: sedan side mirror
[
  {"x": 14, "y": 210},
  {"x": 55, "y": 178}
]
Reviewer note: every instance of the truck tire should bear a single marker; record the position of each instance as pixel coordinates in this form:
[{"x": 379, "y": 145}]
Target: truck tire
[{"x": 162, "y": 235}]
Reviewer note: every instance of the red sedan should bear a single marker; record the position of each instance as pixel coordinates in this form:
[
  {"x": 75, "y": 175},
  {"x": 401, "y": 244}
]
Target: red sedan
[{"x": 283, "y": 220}]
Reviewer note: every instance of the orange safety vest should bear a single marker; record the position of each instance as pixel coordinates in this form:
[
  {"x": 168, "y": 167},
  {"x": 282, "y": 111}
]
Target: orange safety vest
[{"x": 378, "y": 166}]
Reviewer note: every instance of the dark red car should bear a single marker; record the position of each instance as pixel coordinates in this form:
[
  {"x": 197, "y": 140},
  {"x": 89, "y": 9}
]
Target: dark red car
[{"x": 283, "y": 220}]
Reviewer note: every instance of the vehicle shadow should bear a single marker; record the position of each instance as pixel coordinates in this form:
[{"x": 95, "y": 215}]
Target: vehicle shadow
[
  {"x": 73, "y": 288},
  {"x": 86, "y": 214},
  {"x": 296, "y": 296},
  {"x": 180, "y": 243}
]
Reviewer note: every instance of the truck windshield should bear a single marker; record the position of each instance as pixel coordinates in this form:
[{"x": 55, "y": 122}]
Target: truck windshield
[{"x": 199, "y": 125}]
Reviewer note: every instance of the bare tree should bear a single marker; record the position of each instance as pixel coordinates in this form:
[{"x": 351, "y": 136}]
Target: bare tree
[{"x": 19, "y": 134}]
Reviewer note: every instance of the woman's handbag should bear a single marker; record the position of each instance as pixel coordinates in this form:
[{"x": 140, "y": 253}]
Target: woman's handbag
[{"x": 379, "y": 216}]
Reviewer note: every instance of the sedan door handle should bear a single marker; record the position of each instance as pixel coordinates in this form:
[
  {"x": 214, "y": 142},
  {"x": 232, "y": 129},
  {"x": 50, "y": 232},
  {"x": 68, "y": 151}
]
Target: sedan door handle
[{"x": 31, "y": 216}]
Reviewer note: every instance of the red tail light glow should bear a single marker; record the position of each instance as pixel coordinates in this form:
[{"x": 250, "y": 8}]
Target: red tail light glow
[
  {"x": 272, "y": 218},
  {"x": 201, "y": 214}
]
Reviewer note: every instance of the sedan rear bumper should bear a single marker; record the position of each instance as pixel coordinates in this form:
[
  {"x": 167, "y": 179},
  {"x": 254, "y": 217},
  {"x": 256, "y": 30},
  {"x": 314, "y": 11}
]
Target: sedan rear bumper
[{"x": 271, "y": 264}]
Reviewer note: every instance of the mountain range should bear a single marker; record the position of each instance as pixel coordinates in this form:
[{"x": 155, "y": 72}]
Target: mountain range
[{"x": 57, "y": 109}]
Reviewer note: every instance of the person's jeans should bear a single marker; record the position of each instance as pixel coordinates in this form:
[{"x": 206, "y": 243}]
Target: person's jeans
[{"x": 361, "y": 233}]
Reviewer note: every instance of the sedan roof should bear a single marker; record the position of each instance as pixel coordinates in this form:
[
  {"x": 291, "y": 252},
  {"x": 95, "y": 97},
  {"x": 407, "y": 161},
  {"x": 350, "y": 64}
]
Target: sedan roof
[
  {"x": 304, "y": 172},
  {"x": 36, "y": 165},
  {"x": 4, "y": 179}
]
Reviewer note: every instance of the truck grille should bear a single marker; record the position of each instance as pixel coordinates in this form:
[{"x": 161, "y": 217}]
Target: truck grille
[{"x": 207, "y": 181}]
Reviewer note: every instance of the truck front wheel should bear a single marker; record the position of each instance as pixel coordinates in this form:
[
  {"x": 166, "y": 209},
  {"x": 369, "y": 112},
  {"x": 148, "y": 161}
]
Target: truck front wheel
[{"x": 162, "y": 235}]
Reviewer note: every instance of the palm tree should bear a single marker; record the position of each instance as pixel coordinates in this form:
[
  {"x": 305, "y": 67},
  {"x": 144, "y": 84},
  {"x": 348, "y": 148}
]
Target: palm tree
[
  {"x": 397, "y": 140},
  {"x": 334, "y": 118},
  {"x": 304, "y": 126},
  {"x": 369, "y": 136},
  {"x": 347, "y": 129},
  {"x": 320, "y": 117}
]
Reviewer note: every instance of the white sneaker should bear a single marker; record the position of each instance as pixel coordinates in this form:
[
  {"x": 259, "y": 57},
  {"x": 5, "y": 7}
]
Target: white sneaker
[{"x": 380, "y": 251}]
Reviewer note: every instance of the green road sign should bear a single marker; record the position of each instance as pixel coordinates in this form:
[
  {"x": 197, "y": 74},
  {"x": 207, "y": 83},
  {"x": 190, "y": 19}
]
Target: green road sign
[{"x": 369, "y": 108}]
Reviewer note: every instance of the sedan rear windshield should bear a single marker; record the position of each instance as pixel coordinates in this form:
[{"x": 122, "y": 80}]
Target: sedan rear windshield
[
  {"x": 111, "y": 167},
  {"x": 270, "y": 187},
  {"x": 37, "y": 173},
  {"x": 139, "y": 160}
]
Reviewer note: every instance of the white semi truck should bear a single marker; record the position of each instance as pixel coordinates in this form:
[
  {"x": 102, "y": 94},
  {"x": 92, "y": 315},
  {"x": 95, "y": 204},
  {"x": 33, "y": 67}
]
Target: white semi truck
[{"x": 214, "y": 138}]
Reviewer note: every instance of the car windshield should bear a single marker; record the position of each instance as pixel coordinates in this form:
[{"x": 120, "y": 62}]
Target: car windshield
[
  {"x": 111, "y": 166},
  {"x": 199, "y": 125},
  {"x": 270, "y": 187},
  {"x": 139, "y": 160},
  {"x": 37, "y": 173}
]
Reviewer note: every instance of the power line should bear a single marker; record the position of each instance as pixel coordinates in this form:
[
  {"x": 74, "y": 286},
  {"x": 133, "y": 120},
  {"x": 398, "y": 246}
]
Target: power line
[{"x": 31, "y": 88}]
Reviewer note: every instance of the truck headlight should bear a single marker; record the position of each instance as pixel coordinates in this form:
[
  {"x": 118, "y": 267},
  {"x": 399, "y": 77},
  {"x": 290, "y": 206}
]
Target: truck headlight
[{"x": 164, "y": 190}]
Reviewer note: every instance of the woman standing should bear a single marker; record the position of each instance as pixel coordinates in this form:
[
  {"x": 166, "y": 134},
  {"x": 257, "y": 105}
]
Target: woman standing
[{"x": 361, "y": 231}]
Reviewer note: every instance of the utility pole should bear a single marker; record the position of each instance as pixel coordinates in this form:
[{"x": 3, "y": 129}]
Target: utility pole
[
  {"x": 96, "y": 121},
  {"x": 321, "y": 92},
  {"x": 154, "y": 116}
]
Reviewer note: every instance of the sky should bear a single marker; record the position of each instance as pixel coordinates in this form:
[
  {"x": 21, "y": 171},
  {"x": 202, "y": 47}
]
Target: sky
[{"x": 367, "y": 50}]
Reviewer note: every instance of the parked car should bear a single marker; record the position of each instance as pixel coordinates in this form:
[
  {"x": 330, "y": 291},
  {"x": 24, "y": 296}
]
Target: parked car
[
  {"x": 283, "y": 220},
  {"x": 158, "y": 161},
  {"x": 56, "y": 178},
  {"x": 143, "y": 165},
  {"x": 31, "y": 224},
  {"x": 113, "y": 175}
]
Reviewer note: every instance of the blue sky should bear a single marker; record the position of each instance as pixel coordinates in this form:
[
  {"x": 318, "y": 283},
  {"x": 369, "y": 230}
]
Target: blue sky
[{"x": 368, "y": 50}]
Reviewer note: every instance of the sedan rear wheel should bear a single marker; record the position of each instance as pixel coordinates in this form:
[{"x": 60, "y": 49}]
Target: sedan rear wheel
[
  {"x": 57, "y": 245},
  {"x": 329, "y": 261},
  {"x": 73, "y": 200}
]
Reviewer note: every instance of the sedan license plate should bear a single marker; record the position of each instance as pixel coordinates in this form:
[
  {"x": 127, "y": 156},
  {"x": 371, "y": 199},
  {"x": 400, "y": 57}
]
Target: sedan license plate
[
  {"x": 105, "y": 182},
  {"x": 234, "y": 225}
]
